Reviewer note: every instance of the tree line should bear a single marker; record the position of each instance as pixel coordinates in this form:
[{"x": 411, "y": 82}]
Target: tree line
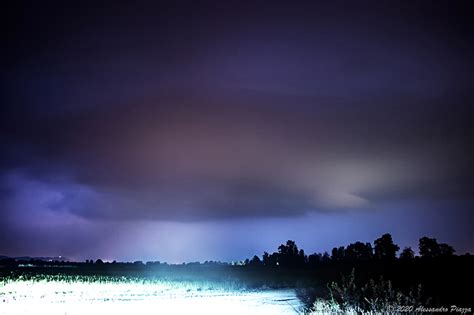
[
  {"x": 288, "y": 255},
  {"x": 383, "y": 249}
]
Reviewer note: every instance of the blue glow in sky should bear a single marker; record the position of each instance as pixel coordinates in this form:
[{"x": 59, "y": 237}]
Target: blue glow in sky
[{"x": 198, "y": 131}]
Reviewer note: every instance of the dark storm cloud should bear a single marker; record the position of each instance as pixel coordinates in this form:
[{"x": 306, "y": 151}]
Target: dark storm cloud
[
  {"x": 226, "y": 160},
  {"x": 208, "y": 112}
]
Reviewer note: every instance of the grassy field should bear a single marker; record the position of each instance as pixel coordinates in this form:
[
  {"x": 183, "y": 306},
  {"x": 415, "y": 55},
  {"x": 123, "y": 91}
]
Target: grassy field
[
  {"x": 341, "y": 287},
  {"x": 80, "y": 294}
]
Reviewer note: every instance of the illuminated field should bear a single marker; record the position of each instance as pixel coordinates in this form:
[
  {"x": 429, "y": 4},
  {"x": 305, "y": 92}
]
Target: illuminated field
[{"x": 79, "y": 295}]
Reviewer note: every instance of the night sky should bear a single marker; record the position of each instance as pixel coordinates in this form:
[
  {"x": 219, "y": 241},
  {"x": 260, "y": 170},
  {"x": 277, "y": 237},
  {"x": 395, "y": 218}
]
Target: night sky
[{"x": 187, "y": 131}]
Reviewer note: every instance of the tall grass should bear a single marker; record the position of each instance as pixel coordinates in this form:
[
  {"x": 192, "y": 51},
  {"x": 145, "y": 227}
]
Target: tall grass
[{"x": 373, "y": 297}]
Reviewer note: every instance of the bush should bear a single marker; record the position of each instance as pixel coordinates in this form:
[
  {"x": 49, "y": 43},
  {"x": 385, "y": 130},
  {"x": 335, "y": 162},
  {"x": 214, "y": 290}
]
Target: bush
[{"x": 372, "y": 297}]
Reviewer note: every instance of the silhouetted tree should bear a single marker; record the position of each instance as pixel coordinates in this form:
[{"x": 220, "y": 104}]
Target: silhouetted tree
[
  {"x": 384, "y": 248},
  {"x": 407, "y": 253},
  {"x": 337, "y": 253},
  {"x": 446, "y": 250},
  {"x": 270, "y": 260},
  {"x": 287, "y": 253},
  {"x": 99, "y": 262},
  {"x": 325, "y": 258},
  {"x": 266, "y": 259},
  {"x": 290, "y": 256},
  {"x": 314, "y": 259},
  {"x": 289, "y": 249},
  {"x": 255, "y": 262},
  {"x": 359, "y": 251},
  {"x": 429, "y": 247},
  {"x": 302, "y": 258}
]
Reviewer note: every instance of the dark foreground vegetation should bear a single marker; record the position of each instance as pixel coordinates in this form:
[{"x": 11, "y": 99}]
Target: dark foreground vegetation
[{"x": 362, "y": 275}]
